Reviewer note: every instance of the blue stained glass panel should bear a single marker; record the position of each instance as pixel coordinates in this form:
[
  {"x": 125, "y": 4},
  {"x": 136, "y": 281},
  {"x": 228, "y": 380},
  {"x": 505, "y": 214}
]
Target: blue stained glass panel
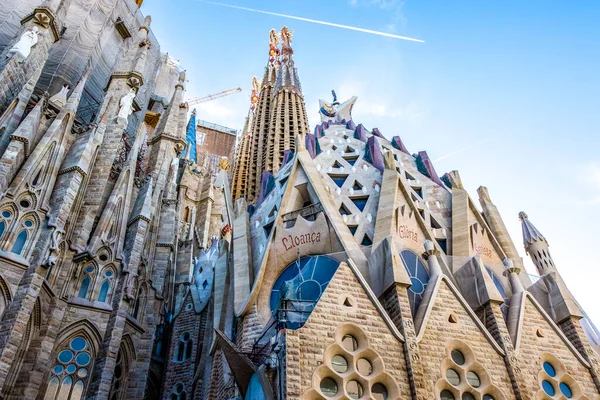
[
  {"x": 304, "y": 279},
  {"x": 419, "y": 278},
  {"x": 566, "y": 390},
  {"x": 78, "y": 343},
  {"x": 548, "y": 388},
  {"x": 82, "y": 359},
  {"x": 85, "y": 284},
  {"x": 2, "y": 227},
  {"x": 65, "y": 356},
  {"x": 6, "y": 214},
  {"x": 104, "y": 291},
  {"x": 20, "y": 243},
  {"x": 549, "y": 369}
]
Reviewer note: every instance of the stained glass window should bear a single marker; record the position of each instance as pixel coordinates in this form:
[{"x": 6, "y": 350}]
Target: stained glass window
[
  {"x": 20, "y": 243},
  {"x": 418, "y": 278},
  {"x": 300, "y": 286},
  {"x": 83, "y": 289},
  {"x": 70, "y": 372}
]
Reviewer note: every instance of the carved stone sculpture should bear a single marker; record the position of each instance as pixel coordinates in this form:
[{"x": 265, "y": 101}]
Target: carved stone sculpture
[
  {"x": 23, "y": 47},
  {"x": 126, "y": 104}
]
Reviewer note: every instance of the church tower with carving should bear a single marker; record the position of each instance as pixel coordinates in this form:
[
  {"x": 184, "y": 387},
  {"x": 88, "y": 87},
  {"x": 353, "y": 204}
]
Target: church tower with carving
[{"x": 336, "y": 265}]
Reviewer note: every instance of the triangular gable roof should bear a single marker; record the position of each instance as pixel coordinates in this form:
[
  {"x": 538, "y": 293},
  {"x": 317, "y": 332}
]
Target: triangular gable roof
[{"x": 427, "y": 305}]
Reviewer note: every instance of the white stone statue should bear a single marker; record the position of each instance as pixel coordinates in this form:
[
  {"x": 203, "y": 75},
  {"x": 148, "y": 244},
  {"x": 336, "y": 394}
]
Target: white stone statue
[
  {"x": 126, "y": 104},
  {"x": 23, "y": 47}
]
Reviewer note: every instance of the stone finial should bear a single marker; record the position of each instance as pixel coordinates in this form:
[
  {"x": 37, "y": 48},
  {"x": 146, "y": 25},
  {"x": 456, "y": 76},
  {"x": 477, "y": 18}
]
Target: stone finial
[
  {"x": 182, "y": 76},
  {"x": 147, "y": 21},
  {"x": 530, "y": 232},
  {"x": 431, "y": 255},
  {"x": 513, "y": 275}
]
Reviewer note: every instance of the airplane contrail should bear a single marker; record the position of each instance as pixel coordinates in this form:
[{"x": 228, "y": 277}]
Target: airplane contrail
[
  {"x": 314, "y": 21},
  {"x": 464, "y": 148}
]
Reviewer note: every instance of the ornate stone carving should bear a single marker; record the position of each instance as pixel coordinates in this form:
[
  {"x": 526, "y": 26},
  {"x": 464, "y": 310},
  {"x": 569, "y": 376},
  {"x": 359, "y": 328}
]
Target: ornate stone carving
[
  {"x": 126, "y": 104},
  {"x": 23, "y": 47}
]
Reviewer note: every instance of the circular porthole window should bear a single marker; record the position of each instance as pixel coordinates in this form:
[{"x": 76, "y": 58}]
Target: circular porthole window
[
  {"x": 329, "y": 387},
  {"x": 379, "y": 392},
  {"x": 473, "y": 379},
  {"x": 548, "y": 388},
  {"x": 446, "y": 395},
  {"x": 549, "y": 369},
  {"x": 565, "y": 390},
  {"x": 354, "y": 389},
  {"x": 458, "y": 357},
  {"x": 453, "y": 377},
  {"x": 349, "y": 343},
  {"x": 364, "y": 367},
  {"x": 339, "y": 364},
  {"x": 487, "y": 397},
  {"x": 467, "y": 396},
  {"x": 25, "y": 203}
]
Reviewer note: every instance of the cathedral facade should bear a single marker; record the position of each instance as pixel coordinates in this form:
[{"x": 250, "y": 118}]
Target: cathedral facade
[{"x": 325, "y": 263}]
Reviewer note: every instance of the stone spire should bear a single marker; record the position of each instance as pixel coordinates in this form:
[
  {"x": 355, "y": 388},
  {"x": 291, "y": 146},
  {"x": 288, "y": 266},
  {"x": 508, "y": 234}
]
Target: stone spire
[
  {"x": 259, "y": 123},
  {"x": 536, "y": 246},
  {"x": 288, "y": 113},
  {"x": 287, "y": 75},
  {"x": 190, "y": 139}
]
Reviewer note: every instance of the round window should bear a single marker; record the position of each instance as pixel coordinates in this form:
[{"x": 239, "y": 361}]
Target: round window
[
  {"x": 473, "y": 379},
  {"x": 467, "y": 396},
  {"x": 458, "y": 357},
  {"x": 446, "y": 395},
  {"x": 329, "y": 387},
  {"x": 354, "y": 389},
  {"x": 6, "y": 214},
  {"x": 487, "y": 397},
  {"x": 103, "y": 257},
  {"x": 78, "y": 344},
  {"x": 89, "y": 270},
  {"x": 453, "y": 377},
  {"x": 349, "y": 343},
  {"x": 548, "y": 388},
  {"x": 379, "y": 392},
  {"x": 364, "y": 367},
  {"x": 24, "y": 203},
  {"x": 82, "y": 373},
  {"x": 339, "y": 364},
  {"x": 28, "y": 224},
  {"x": 65, "y": 356},
  {"x": 549, "y": 369},
  {"x": 71, "y": 368},
  {"x": 566, "y": 390}
]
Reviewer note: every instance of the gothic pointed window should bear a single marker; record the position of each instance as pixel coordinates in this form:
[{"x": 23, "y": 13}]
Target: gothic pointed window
[
  {"x": 71, "y": 370},
  {"x": 27, "y": 226},
  {"x": 19, "y": 244},
  {"x": 86, "y": 281},
  {"x": 139, "y": 305},
  {"x": 299, "y": 287},
  {"x": 418, "y": 278},
  {"x": 106, "y": 285},
  {"x": 83, "y": 289},
  {"x": 178, "y": 392},
  {"x": 120, "y": 373},
  {"x": 183, "y": 352}
]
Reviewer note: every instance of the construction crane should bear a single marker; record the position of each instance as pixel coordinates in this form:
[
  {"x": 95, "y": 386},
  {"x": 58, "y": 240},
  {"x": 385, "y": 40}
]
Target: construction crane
[{"x": 198, "y": 100}]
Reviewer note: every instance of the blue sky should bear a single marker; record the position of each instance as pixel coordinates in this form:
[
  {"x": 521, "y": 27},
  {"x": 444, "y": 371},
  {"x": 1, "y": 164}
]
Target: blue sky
[{"x": 514, "y": 83}]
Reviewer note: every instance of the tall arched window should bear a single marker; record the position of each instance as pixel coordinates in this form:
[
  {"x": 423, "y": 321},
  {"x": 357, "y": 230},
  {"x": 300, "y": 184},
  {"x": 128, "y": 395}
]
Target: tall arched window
[
  {"x": 104, "y": 293},
  {"x": 140, "y": 303},
  {"x": 6, "y": 217},
  {"x": 178, "y": 392},
  {"x": 27, "y": 226},
  {"x": 183, "y": 351},
  {"x": 120, "y": 374},
  {"x": 19, "y": 244},
  {"x": 85, "y": 286},
  {"x": 70, "y": 372},
  {"x": 419, "y": 277}
]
